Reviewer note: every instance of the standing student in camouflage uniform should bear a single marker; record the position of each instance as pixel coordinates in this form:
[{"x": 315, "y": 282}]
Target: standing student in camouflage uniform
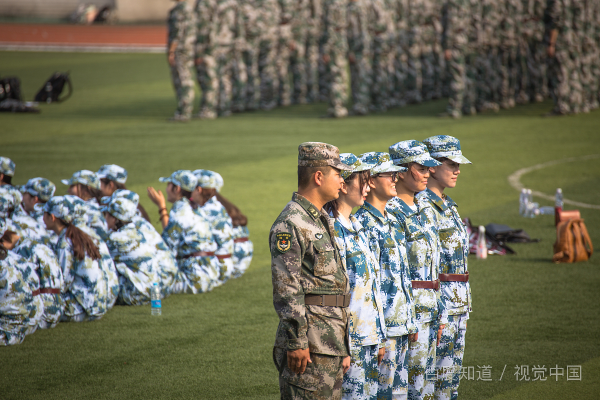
[
  {"x": 454, "y": 276},
  {"x": 250, "y": 18},
  {"x": 359, "y": 56},
  {"x": 400, "y": 52},
  {"x": 488, "y": 86},
  {"x": 187, "y": 234},
  {"x": 301, "y": 14},
  {"x": 380, "y": 29},
  {"x": 335, "y": 52},
  {"x": 284, "y": 44},
  {"x": 268, "y": 19},
  {"x": 418, "y": 223},
  {"x": 428, "y": 40},
  {"x": 367, "y": 322},
  {"x": 473, "y": 47},
  {"x": 180, "y": 42},
  {"x": 509, "y": 32},
  {"x": 454, "y": 43},
  {"x": 310, "y": 284},
  {"x": 589, "y": 51},
  {"x": 386, "y": 241},
  {"x": 533, "y": 45},
  {"x": 91, "y": 284},
  {"x": 205, "y": 62},
  {"x": 414, "y": 76},
  {"x": 313, "y": 29}
]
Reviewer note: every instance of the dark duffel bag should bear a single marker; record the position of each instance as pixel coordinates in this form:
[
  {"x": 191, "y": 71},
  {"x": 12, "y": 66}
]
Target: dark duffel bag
[
  {"x": 10, "y": 88},
  {"x": 53, "y": 88}
]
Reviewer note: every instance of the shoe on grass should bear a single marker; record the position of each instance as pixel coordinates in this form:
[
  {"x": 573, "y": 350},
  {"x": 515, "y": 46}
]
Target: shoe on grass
[{"x": 179, "y": 118}]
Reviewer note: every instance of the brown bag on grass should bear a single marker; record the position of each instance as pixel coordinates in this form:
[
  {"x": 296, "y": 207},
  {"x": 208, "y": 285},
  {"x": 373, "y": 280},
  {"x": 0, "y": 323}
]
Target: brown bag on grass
[{"x": 573, "y": 242}]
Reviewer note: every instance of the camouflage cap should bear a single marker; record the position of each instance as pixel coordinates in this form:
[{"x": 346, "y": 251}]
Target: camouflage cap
[
  {"x": 7, "y": 166},
  {"x": 183, "y": 178},
  {"x": 206, "y": 179},
  {"x": 316, "y": 154},
  {"x": 355, "y": 163},
  {"x": 411, "y": 151},
  {"x": 445, "y": 146},
  {"x": 122, "y": 205},
  {"x": 40, "y": 187},
  {"x": 381, "y": 162},
  {"x": 68, "y": 208},
  {"x": 219, "y": 182},
  {"x": 113, "y": 172},
  {"x": 85, "y": 177},
  {"x": 10, "y": 198}
]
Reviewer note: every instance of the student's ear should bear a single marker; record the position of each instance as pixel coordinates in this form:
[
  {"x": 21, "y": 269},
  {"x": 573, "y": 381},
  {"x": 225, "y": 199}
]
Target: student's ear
[
  {"x": 344, "y": 188},
  {"x": 318, "y": 178},
  {"x": 371, "y": 182}
]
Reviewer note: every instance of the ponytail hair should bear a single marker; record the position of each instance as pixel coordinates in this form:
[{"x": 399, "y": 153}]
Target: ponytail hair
[
  {"x": 82, "y": 243},
  {"x": 91, "y": 192},
  {"x": 237, "y": 218}
]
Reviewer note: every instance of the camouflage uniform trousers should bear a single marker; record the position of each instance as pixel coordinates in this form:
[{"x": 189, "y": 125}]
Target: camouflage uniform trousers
[
  {"x": 414, "y": 77},
  {"x": 393, "y": 371},
  {"x": 391, "y": 72},
  {"x": 361, "y": 380},
  {"x": 268, "y": 76},
  {"x": 428, "y": 70},
  {"x": 338, "y": 91},
  {"x": 471, "y": 79},
  {"x": 421, "y": 362},
  {"x": 10, "y": 338},
  {"x": 360, "y": 82},
  {"x": 298, "y": 67},
  {"x": 449, "y": 356},
  {"x": 488, "y": 86},
  {"x": 52, "y": 310},
  {"x": 239, "y": 82},
  {"x": 400, "y": 70},
  {"x": 312, "y": 68},
  {"x": 282, "y": 62},
  {"x": 456, "y": 71},
  {"x": 586, "y": 72},
  {"x": 522, "y": 84},
  {"x": 206, "y": 74},
  {"x": 322, "y": 379},
  {"x": 324, "y": 73},
  {"x": 224, "y": 58},
  {"x": 184, "y": 84},
  {"x": 380, "y": 74},
  {"x": 536, "y": 70},
  {"x": 215, "y": 72},
  {"x": 250, "y": 56},
  {"x": 561, "y": 74},
  {"x": 508, "y": 74}
]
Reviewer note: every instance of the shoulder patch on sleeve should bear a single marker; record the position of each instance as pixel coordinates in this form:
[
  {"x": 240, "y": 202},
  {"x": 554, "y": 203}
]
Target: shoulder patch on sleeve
[{"x": 283, "y": 241}]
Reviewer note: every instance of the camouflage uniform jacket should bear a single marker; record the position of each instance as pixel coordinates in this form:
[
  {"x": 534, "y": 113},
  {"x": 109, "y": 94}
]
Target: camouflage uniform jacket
[
  {"x": 181, "y": 26},
  {"x": 305, "y": 260},
  {"x": 39, "y": 217},
  {"x": 386, "y": 242},
  {"x": 49, "y": 273},
  {"x": 227, "y": 25},
  {"x": 205, "y": 11},
  {"x": 366, "y": 318},
  {"x": 455, "y": 22},
  {"x": 423, "y": 249},
  {"x": 134, "y": 258},
  {"x": 454, "y": 240},
  {"x": 559, "y": 16},
  {"x": 27, "y": 227},
  {"x": 95, "y": 219},
  {"x": 358, "y": 33},
  {"x": 222, "y": 226},
  {"x": 335, "y": 22},
  {"x": 90, "y": 286},
  {"x": 18, "y": 306}
]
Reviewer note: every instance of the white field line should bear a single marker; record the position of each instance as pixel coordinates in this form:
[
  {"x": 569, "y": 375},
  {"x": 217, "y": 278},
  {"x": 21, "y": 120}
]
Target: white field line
[
  {"x": 82, "y": 48},
  {"x": 515, "y": 179}
]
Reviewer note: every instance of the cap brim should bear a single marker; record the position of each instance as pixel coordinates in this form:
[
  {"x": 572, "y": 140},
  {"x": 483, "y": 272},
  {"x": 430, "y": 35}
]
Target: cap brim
[
  {"x": 459, "y": 159},
  {"x": 340, "y": 165},
  {"x": 66, "y": 182},
  {"x": 164, "y": 180}
]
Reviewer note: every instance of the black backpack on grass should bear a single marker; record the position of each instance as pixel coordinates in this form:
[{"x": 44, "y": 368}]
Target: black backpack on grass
[
  {"x": 52, "y": 89},
  {"x": 10, "y": 88}
]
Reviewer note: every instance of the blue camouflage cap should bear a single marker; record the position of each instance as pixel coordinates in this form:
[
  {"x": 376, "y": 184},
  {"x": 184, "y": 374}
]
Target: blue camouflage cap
[
  {"x": 445, "y": 146},
  {"x": 183, "y": 178},
  {"x": 7, "y": 166},
  {"x": 85, "y": 177},
  {"x": 122, "y": 204},
  {"x": 355, "y": 163},
  {"x": 10, "y": 198},
  {"x": 219, "y": 182},
  {"x": 381, "y": 162},
  {"x": 411, "y": 151},
  {"x": 68, "y": 208},
  {"x": 113, "y": 172},
  {"x": 40, "y": 187},
  {"x": 206, "y": 179}
]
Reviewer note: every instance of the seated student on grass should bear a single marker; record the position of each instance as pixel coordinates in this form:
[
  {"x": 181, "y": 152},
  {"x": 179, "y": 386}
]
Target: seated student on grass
[
  {"x": 91, "y": 284},
  {"x": 21, "y": 223},
  {"x": 243, "y": 248},
  {"x": 7, "y": 172},
  {"x": 221, "y": 224},
  {"x": 38, "y": 191},
  {"x": 86, "y": 185},
  {"x": 112, "y": 177},
  {"x": 19, "y": 307},
  {"x": 187, "y": 234},
  {"x": 367, "y": 321},
  {"x": 163, "y": 262}
]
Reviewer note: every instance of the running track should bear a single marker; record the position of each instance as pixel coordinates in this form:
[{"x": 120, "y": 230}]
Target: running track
[{"x": 83, "y": 38}]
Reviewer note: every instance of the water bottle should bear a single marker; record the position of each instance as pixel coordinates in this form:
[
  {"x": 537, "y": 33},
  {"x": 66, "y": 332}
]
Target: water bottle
[
  {"x": 155, "y": 298},
  {"x": 546, "y": 210},
  {"x": 523, "y": 202},
  {"x": 558, "y": 205},
  {"x": 481, "y": 244}
]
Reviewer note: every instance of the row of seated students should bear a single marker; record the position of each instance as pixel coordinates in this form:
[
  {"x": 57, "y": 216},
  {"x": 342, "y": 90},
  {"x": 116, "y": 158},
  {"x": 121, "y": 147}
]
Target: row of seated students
[{"x": 73, "y": 257}]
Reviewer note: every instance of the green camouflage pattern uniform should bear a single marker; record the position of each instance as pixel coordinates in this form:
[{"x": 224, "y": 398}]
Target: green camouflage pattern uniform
[
  {"x": 180, "y": 27},
  {"x": 533, "y": 45},
  {"x": 239, "y": 73},
  {"x": 473, "y": 47},
  {"x": 206, "y": 64},
  {"x": 300, "y": 14},
  {"x": 428, "y": 49},
  {"x": 414, "y": 75},
  {"x": 380, "y": 29},
  {"x": 509, "y": 33},
  {"x": 250, "y": 17},
  {"x": 488, "y": 87},
  {"x": 313, "y": 29},
  {"x": 335, "y": 46},
  {"x": 305, "y": 260},
  {"x": 268, "y": 19},
  {"x": 400, "y": 52},
  {"x": 282, "y": 60},
  {"x": 589, "y": 47},
  {"x": 359, "y": 48},
  {"x": 455, "y": 40}
]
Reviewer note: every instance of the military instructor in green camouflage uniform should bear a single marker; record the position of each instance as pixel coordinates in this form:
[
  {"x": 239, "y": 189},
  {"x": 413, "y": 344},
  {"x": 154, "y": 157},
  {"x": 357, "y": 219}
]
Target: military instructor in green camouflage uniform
[{"x": 310, "y": 284}]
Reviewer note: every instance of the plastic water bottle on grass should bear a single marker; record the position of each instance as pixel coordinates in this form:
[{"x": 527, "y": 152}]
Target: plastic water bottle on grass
[
  {"x": 482, "y": 250},
  {"x": 523, "y": 202},
  {"x": 558, "y": 205},
  {"x": 546, "y": 210},
  {"x": 155, "y": 298}
]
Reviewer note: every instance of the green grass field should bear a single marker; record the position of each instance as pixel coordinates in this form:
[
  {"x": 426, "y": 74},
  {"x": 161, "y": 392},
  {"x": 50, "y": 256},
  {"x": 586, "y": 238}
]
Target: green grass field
[{"x": 527, "y": 311}]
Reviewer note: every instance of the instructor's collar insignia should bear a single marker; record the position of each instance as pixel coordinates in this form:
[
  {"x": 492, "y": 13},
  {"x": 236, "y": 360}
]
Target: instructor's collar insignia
[
  {"x": 283, "y": 241},
  {"x": 319, "y": 236}
]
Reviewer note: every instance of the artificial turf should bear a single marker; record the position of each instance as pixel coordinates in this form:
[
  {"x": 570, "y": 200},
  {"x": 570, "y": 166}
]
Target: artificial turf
[{"x": 527, "y": 311}]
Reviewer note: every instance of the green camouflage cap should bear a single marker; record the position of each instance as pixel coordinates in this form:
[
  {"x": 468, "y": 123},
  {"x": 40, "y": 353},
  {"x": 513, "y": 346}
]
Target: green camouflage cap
[
  {"x": 7, "y": 166},
  {"x": 355, "y": 163},
  {"x": 411, "y": 151},
  {"x": 40, "y": 187},
  {"x": 122, "y": 204},
  {"x": 207, "y": 179},
  {"x": 183, "y": 178},
  {"x": 445, "y": 146},
  {"x": 68, "y": 208},
  {"x": 112, "y": 172},
  {"x": 381, "y": 162},
  {"x": 85, "y": 177},
  {"x": 316, "y": 154}
]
